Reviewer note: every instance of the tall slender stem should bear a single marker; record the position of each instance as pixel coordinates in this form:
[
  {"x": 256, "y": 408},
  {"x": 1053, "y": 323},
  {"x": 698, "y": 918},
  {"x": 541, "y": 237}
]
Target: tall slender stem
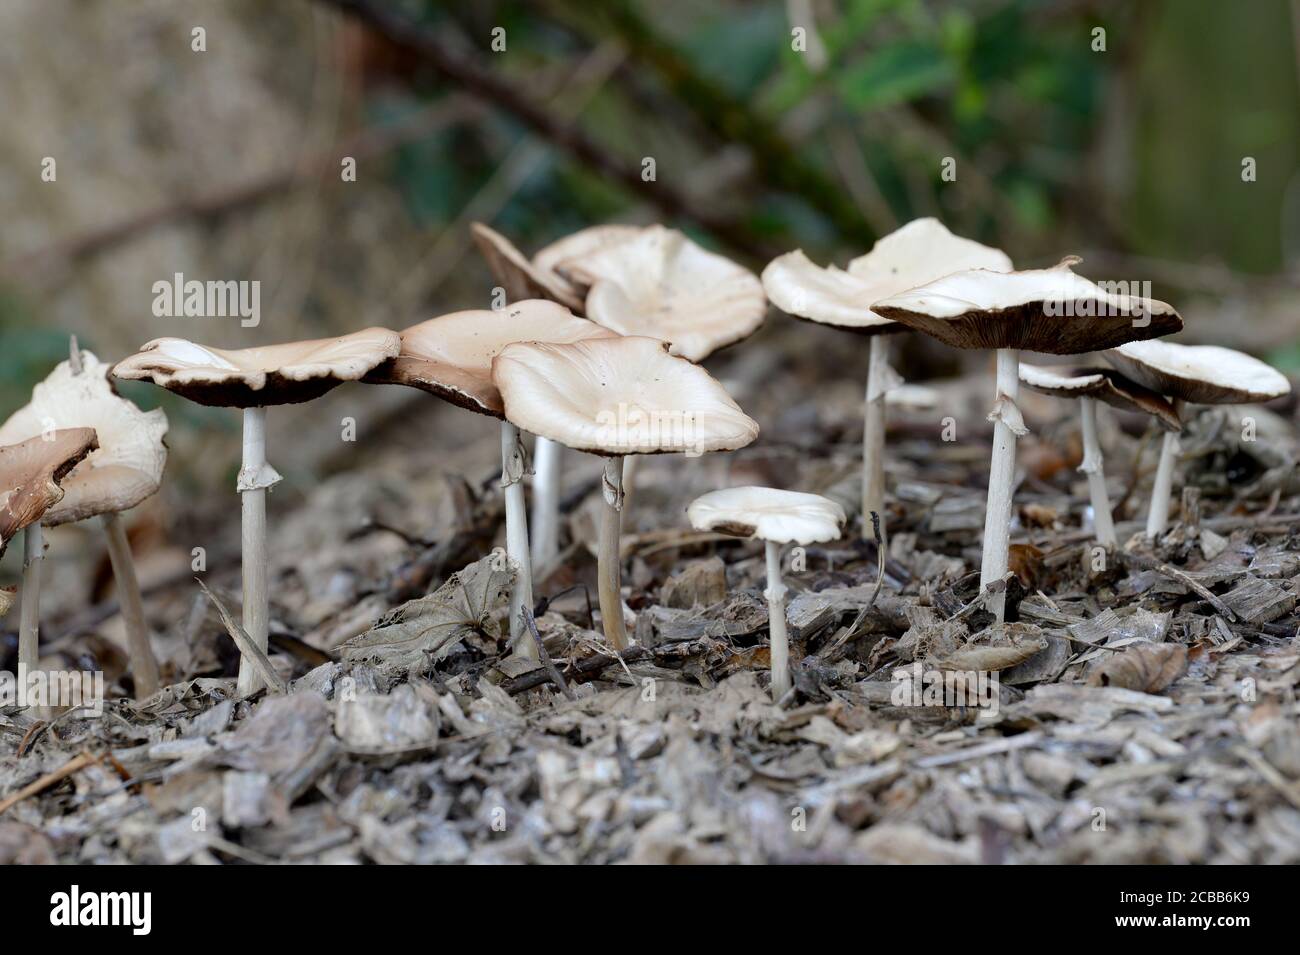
[
  {"x": 873, "y": 434},
  {"x": 1002, "y": 471},
  {"x": 548, "y": 468},
  {"x": 144, "y": 665},
  {"x": 1102, "y": 523},
  {"x": 29, "y": 620},
  {"x": 609, "y": 561},
  {"x": 780, "y": 640},
  {"x": 513, "y": 468},
  {"x": 1158, "y": 514},
  {"x": 254, "y": 480}
]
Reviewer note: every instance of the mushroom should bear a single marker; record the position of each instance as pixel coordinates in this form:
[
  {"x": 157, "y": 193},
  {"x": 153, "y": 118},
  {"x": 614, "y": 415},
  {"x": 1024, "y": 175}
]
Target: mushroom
[
  {"x": 125, "y": 470},
  {"x": 1090, "y": 385},
  {"x": 1199, "y": 374},
  {"x": 776, "y": 518},
  {"x": 614, "y": 397},
  {"x": 1045, "y": 310},
  {"x": 253, "y": 379},
  {"x": 919, "y": 252},
  {"x": 31, "y": 473},
  {"x": 522, "y": 279},
  {"x": 451, "y": 357}
]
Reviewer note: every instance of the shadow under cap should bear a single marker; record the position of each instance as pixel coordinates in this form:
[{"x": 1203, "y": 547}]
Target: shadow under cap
[{"x": 1103, "y": 384}]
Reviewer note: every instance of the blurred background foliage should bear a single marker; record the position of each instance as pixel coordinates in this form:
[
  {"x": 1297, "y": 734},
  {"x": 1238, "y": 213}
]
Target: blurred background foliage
[{"x": 1115, "y": 130}]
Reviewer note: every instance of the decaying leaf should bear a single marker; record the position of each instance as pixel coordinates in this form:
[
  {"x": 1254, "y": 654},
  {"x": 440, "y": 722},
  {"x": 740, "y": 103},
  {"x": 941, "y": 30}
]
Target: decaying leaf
[
  {"x": 1017, "y": 649},
  {"x": 1148, "y": 667},
  {"x": 429, "y": 627}
]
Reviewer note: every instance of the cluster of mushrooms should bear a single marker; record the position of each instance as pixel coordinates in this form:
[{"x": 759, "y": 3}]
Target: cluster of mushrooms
[{"x": 598, "y": 350}]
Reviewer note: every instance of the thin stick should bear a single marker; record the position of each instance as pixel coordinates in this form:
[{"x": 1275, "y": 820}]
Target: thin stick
[
  {"x": 29, "y": 623},
  {"x": 144, "y": 665},
  {"x": 1102, "y": 522},
  {"x": 556, "y": 676},
  {"x": 249, "y": 651},
  {"x": 254, "y": 480},
  {"x": 513, "y": 468},
  {"x": 873, "y": 430},
  {"x": 609, "y": 561},
  {"x": 78, "y": 762},
  {"x": 780, "y": 639},
  {"x": 548, "y": 468},
  {"x": 1002, "y": 472}
]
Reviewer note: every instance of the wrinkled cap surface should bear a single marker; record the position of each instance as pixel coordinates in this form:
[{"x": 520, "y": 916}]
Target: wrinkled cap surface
[
  {"x": 30, "y": 474},
  {"x": 1104, "y": 384},
  {"x": 1045, "y": 310},
  {"x": 257, "y": 377},
  {"x": 523, "y": 279},
  {"x": 784, "y": 517},
  {"x": 660, "y": 284},
  {"x": 1201, "y": 374},
  {"x": 451, "y": 355},
  {"x": 128, "y": 465},
  {"x": 616, "y": 396},
  {"x": 919, "y": 252}
]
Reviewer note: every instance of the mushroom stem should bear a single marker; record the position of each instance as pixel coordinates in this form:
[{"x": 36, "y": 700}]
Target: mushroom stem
[
  {"x": 1103, "y": 524},
  {"x": 1002, "y": 473},
  {"x": 1158, "y": 514},
  {"x": 780, "y": 641},
  {"x": 548, "y": 468},
  {"x": 609, "y": 562},
  {"x": 253, "y": 484},
  {"x": 30, "y": 615},
  {"x": 513, "y": 468},
  {"x": 873, "y": 435},
  {"x": 144, "y": 665}
]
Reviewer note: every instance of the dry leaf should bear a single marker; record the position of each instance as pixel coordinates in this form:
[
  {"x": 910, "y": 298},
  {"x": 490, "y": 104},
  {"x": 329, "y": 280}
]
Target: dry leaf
[{"x": 1148, "y": 667}]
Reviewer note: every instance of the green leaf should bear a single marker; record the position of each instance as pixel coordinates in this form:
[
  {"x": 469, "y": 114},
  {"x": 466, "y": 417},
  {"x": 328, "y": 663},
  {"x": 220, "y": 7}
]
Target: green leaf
[{"x": 895, "y": 74}]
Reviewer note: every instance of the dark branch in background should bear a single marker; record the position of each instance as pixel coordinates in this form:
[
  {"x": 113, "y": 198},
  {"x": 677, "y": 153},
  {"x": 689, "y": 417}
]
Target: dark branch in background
[{"x": 474, "y": 80}]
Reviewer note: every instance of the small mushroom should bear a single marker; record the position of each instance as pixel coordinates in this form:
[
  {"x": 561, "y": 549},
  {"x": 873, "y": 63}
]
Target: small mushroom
[
  {"x": 1045, "y": 310},
  {"x": 919, "y": 252},
  {"x": 126, "y": 469},
  {"x": 31, "y": 473},
  {"x": 254, "y": 379},
  {"x": 451, "y": 357},
  {"x": 1196, "y": 374},
  {"x": 614, "y": 397},
  {"x": 521, "y": 280},
  {"x": 1090, "y": 385},
  {"x": 776, "y": 518}
]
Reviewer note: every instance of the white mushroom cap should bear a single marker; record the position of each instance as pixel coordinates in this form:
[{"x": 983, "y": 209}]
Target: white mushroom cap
[
  {"x": 1045, "y": 310},
  {"x": 127, "y": 467},
  {"x": 784, "y": 517},
  {"x": 1105, "y": 385},
  {"x": 919, "y": 252},
  {"x": 451, "y": 355},
  {"x": 1201, "y": 374},
  {"x": 578, "y": 246},
  {"x": 618, "y": 395},
  {"x": 31, "y": 472},
  {"x": 257, "y": 377},
  {"x": 661, "y": 284}
]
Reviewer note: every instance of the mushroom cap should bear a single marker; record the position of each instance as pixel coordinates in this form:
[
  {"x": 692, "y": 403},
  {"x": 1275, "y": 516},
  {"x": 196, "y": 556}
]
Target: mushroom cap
[
  {"x": 1201, "y": 374},
  {"x": 618, "y": 395},
  {"x": 1104, "y": 384},
  {"x": 30, "y": 474},
  {"x": 660, "y": 284},
  {"x": 258, "y": 377},
  {"x": 1044, "y": 310},
  {"x": 784, "y": 517},
  {"x": 451, "y": 356},
  {"x": 128, "y": 465},
  {"x": 919, "y": 252}
]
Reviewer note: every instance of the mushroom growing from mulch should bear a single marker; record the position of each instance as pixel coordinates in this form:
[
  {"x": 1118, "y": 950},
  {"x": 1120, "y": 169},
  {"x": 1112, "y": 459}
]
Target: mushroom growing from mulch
[
  {"x": 1194, "y": 374},
  {"x": 614, "y": 397},
  {"x": 1045, "y": 310},
  {"x": 774, "y": 517},
  {"x": 1088, "y": 386},
  {"x": 253, "y": 379},
  {"x": 31, "y": 473},
  {"x": 919, "y": 252},
  {"x": 451, "y": 357},
  {"x": 125, "y": 470}
]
